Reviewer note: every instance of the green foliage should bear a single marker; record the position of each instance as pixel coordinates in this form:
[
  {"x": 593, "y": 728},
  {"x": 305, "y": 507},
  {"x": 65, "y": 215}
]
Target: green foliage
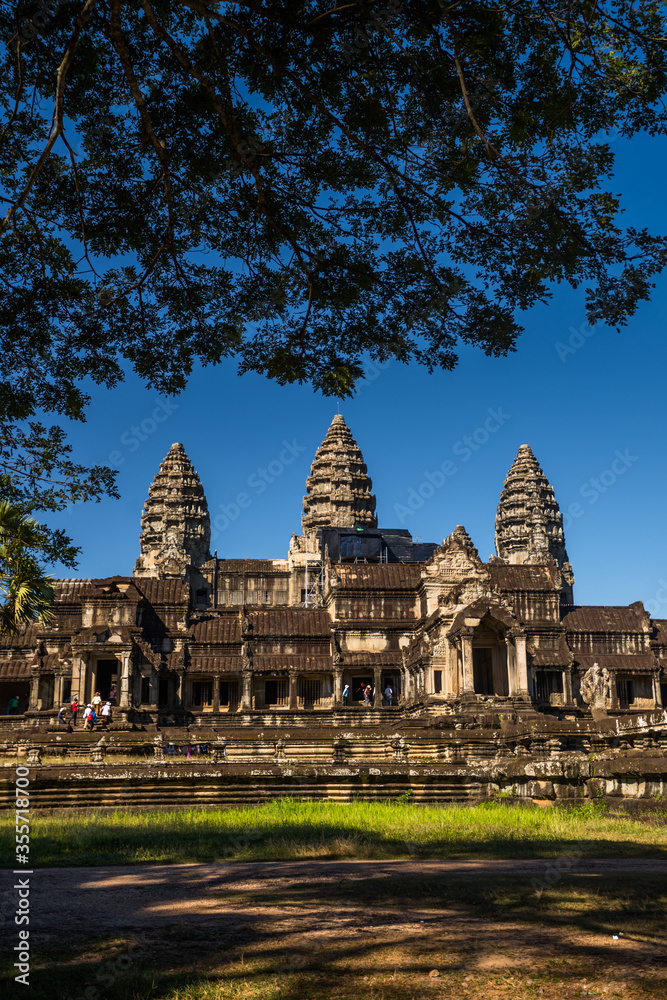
[
  {"x": 299, "y": 185},
  {"x": 26, "y": 593}
]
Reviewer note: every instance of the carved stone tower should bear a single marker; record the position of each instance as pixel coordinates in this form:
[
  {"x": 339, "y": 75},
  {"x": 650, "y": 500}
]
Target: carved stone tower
[
  {"x": 529, "y": 524},
  {"x": 175, "y": 526},
  {"x": 339, "y": 487}
]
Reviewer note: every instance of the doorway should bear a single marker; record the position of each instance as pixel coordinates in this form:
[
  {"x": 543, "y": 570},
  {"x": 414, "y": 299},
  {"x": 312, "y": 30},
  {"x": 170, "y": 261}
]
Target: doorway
[{"x": 106, "y": 675}]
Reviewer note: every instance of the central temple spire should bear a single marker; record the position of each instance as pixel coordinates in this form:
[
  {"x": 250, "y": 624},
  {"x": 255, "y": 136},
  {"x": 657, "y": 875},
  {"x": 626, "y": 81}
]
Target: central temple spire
[
  {"x": 338, "y": 487},
  {"x": 175, "y": 526},
  {"x": 529, "y": 523}
]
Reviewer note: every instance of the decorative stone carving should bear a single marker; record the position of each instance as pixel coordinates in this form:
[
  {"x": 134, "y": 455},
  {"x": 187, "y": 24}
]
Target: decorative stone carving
[
  {"x": 34, "y": 756},
  {"x": 342, "y": 746},
  {"x": 529, "y": 524},
  {"x": 158, "y": 749},
  {"x": 338, "y": 487},
  {"x": 220, "y": 750},
  {"x": 175, "y": 525},
  {"x": 97, "y": 756},
  {"x": 596, "y": 688},
  {"x": 400, "y": 747}
]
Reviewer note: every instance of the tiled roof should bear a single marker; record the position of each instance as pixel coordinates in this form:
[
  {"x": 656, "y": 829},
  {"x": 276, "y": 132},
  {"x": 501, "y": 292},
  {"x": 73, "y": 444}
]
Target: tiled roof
[
  {"x": 70, "y": 590},
  {"x": 253, "y": 567},
  {"x": 214, "y": 664},
  {"x": 660, "y": 631},
  {"x": 12, "y": 670},
  {"x": 621, "y": 662},
  {"x": 20, "y": 640},
  {"x": 362, "y": 658},
  {"x": 521, "y": 577},
  {"x": 379, "y": 576},
  {"x": 290, "y": 622},
  {"x": 285, "y": 661},
  {"x": 552, "y": 657},
  {"x": 379, "y": 624},
  {"x": 221, "y": 629},
  {"x": 604, "y": 619},
  {"x": 162, "y": 591}
]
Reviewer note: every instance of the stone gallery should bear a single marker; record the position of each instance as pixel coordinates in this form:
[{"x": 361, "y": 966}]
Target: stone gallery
[{"x": 356, "y": 618}]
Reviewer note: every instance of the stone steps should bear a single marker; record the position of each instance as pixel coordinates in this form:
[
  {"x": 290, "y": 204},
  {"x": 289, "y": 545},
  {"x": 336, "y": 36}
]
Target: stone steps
[{"x": 163, "y": 795}]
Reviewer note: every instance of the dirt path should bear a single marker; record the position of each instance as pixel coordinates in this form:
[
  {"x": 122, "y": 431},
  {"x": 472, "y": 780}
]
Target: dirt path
[{"x": 63, "y": 900}]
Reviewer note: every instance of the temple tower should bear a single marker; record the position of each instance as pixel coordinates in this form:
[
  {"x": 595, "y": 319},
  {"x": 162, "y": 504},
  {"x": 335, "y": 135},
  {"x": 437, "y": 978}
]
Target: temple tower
[
  {"x": 338, "y": 487},
  {"x": 529, "y": 524},
  {"x": 175, "y": 526}
]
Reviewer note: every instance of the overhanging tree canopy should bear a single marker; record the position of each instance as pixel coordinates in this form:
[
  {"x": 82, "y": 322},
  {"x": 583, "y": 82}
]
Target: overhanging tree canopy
[{"x": 302, "y": 183}]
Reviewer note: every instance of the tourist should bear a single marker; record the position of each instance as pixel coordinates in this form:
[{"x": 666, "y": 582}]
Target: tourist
[
  {"x": 86, "y": 712},
  {"x": 112, "y": 694},
  {"x": 346, "y": 694},
  {"x": 91, "y": 719},
  {"x": 367, "y": 695},
  {"x": 61, "y": 716},
  {"x": 106, "y": 714},
  {"x": 13, "y": 705},
  {"x": 74, "y": 708},
  {"x": 97, "y": 702},
  {"x": 388, "y": 693}
]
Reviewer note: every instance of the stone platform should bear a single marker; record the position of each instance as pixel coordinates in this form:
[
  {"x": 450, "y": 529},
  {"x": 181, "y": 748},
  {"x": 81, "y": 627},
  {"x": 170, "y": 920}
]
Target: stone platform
[{"x": 432, "y": 760}]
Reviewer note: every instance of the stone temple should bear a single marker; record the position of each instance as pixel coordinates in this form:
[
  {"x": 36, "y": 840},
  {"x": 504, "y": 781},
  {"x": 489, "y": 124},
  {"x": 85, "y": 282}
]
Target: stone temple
[{"x": 191, "y": 639}]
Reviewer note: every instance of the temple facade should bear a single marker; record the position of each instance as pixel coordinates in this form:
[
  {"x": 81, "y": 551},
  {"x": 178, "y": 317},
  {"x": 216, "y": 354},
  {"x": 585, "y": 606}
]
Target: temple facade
[{"x": 430, "y": 628}]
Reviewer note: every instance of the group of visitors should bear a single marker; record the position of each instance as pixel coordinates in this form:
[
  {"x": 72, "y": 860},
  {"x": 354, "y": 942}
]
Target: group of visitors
[
  {"x": 96, "y": 711},
  {"x": 368, "y": 694}
]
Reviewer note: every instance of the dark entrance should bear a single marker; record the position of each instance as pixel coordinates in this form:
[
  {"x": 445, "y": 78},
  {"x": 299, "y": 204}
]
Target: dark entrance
[
  {"x": 482, "y": 667},
  {"x": 271, "y": 693},
  {"x": 107, "y": 674},
  {"x": 358, "y": 685},
  {"x": 163, "y": 692}
]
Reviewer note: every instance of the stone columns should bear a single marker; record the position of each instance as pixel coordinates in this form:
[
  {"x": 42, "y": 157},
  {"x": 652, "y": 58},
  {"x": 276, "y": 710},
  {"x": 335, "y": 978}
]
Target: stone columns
[
  {"x": 58, "y": 690},
  {"x": 246, "y": 697},
  {"x": 521, "y": 664},
  {"x": 657, "y": 693},
  {"x": 377, "y": 683},
  {"x": 124, "y": 701},
  {"x": 511, "y": 665},
  {"x": 155, "y": 680},
  {"x": 568, "y": 699},
  {"x": 338, "y": 685},
  {"x": 466, "y": 661},
  {"x": 216, "y": 694},
  {"x": 79, "y": 677},
  {"x": 293, "y": 703},
  {"x": 34, "y": 692},
  {"x": 180, "y": 690}
]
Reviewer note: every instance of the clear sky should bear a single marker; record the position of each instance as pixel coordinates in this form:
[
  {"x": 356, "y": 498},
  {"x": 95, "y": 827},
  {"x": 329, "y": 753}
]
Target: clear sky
[{"x": 589, "y": 401}]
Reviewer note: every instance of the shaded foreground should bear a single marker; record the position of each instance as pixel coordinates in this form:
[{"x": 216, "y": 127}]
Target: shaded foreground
[
  {"x": 338, "y": 931},
  {"x": 286, "y": 829}
]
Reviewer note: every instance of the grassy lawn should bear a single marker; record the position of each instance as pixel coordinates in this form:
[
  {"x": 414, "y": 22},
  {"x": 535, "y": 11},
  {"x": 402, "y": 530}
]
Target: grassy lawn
[
  {"x": 463, "y": 937},
  {"x": 286, "y": 829}
]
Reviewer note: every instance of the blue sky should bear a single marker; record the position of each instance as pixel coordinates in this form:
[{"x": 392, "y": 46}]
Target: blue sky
[{"x": 589, "y": 401}]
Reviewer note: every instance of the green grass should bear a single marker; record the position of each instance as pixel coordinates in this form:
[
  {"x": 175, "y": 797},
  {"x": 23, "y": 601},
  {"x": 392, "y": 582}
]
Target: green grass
[{"x": 287, "y": 829}]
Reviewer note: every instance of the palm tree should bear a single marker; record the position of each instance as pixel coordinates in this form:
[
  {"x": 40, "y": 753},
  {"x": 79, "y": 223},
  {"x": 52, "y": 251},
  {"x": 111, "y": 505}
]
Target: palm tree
[{"x": 26, "y": 592}]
